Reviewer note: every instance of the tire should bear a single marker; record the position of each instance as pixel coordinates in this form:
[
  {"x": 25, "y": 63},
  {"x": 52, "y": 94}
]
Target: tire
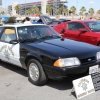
[
  {"x": 36, "y": 75},
  {"x": 99, "y": 44}
]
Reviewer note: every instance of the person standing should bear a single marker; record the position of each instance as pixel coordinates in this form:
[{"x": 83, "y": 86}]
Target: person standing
[{"x": 27, "y": 21}]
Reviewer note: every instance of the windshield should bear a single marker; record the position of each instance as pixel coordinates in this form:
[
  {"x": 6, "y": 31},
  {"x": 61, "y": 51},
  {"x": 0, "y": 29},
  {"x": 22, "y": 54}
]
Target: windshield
[
  {"x": 37, "y": 32},
  {"x": 94, "y": 26}
]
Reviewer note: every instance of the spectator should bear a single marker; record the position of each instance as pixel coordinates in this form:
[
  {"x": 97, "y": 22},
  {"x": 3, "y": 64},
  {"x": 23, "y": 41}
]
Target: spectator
[{"x": 27, "y": 21}]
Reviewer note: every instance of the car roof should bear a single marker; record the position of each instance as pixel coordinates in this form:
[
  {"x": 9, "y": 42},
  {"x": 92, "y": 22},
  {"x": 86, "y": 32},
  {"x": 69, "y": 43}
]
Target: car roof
[
  {"x": 83, "y": 21},
  {"x": 19, "y": 25}
]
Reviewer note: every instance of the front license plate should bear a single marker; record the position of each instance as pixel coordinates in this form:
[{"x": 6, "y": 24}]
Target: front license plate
[{"x": 94, "y": 69}]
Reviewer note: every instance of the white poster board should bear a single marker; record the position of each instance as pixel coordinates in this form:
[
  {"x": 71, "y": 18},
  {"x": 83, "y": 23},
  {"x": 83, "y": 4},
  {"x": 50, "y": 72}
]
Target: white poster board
[{"x": 83, "y": 86}]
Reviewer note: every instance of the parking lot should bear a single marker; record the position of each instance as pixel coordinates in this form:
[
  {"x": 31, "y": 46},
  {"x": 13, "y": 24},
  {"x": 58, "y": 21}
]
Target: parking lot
[{"x": 14, "y": 85}]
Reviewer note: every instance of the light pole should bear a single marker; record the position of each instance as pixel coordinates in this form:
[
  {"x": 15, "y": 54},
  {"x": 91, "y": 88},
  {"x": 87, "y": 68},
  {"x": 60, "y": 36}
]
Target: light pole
[
  {"x": 77, "y": 7},
  {"x": 5, "y": 3},
  {"x": 25, "y": 7}
]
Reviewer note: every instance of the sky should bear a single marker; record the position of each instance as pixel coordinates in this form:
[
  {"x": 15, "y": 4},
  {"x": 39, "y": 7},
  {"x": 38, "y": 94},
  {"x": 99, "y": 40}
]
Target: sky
[{"x": 77, "y": 3}]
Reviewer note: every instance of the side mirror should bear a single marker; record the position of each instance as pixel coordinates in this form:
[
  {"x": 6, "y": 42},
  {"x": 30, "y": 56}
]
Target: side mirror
[
  {"x": 62, "y": 31},
  {"x": 83, "y": 30},
  {"x": 13, "y": 41}
]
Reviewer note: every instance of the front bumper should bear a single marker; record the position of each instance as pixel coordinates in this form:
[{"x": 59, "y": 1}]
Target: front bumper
[{"x": 60, "y": 73}]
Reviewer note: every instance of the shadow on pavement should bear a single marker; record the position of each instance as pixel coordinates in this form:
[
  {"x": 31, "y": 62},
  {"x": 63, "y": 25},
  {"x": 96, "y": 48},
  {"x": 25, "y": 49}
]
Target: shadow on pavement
[
  {"x": 14, "y": 68},
  {"x": 60, "y": 85}
]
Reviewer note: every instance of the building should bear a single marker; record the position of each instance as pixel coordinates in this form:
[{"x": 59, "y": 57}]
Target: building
[{"x": 23, "y": 7}]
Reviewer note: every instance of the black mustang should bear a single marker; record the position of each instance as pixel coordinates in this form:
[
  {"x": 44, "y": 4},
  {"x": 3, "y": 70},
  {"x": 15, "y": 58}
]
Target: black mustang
[{"x": 44, "y": 54}]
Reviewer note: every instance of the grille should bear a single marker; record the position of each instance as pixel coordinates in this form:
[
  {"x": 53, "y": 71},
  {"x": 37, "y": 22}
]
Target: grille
[{"x": 87, "y": 60}]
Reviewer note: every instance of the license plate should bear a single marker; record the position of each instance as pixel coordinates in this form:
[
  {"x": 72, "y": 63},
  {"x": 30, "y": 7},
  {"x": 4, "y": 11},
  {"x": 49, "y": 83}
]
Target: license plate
[{"x": 94, "y": 69}]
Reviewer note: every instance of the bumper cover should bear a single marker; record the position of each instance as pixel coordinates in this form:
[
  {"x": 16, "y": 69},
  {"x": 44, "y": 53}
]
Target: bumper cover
[{"x": 60, "y": 73}]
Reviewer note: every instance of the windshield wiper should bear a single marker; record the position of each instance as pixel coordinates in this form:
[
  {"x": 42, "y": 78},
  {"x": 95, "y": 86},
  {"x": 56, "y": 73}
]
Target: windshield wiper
[
  {"x": 46, "y": 37},
  {"x": 30, "y": 40}
]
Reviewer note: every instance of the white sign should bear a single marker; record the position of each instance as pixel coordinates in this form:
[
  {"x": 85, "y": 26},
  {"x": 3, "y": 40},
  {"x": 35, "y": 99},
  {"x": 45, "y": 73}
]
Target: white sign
[
  {"x": 83, "y": 86},
  {"x": 93, "y": 69}
]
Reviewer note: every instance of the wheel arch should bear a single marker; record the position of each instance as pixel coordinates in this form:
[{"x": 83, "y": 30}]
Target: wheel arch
[
  {"x": 98, "y": 43},
  {"x": 32, "y": 56}
]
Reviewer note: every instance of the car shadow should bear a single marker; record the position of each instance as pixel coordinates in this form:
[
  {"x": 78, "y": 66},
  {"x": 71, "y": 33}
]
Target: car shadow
[
  {"x": 14, "y": 68},
  {"x": 65, "y": 84}
]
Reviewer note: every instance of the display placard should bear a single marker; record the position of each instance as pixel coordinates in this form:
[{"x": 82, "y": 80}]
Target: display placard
[{"x": 83, "y": 86}]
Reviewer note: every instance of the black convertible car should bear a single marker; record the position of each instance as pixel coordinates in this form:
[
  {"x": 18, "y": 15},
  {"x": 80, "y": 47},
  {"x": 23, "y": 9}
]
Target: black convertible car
[{"x": 45, "y": 54}]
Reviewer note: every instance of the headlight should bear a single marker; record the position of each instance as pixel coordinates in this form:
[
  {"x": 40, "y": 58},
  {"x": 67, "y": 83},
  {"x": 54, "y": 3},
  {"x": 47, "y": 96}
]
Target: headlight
[
  {"x": 67, "y": 62},
  {"x": 98, "y": 55}
]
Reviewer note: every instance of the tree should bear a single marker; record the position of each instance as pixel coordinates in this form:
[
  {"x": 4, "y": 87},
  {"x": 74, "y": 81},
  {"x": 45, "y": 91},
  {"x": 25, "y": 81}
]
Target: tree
[
  {"x": 39, "y": 12},
  {"x": 83, "y": 9},
  {"x": 86, "y": 14},
  {"x": 49, "y": 9},
  {"x": 17, "y": 8},
  {"x": 91, "y": 11},
  {"x": 98, "y": 12},
  {"x": 35, "y": 9},
  {"x": 57, "y": 12},
  {"x": 66, "y": 12},
  {"x": 3, "y": 13},
  {"x": 80, "y": 13},
  {"x": 62, "y": 10},
  {"x": 73, "y": 10},
  {"x": 29, "y": 11}
]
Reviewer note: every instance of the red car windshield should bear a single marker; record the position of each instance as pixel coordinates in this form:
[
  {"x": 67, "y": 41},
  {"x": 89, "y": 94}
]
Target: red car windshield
[{"x": 94, "y": 26}]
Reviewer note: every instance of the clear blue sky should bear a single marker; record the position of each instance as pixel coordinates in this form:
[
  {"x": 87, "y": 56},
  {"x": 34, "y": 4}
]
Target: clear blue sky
[{"x": 77, "y": 3}]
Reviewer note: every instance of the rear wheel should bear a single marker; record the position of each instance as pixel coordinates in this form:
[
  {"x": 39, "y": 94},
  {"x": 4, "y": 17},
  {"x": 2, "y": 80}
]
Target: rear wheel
[{"x": 35, "y": 72}]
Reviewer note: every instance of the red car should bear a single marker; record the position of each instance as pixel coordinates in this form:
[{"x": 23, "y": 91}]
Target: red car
[{"x": 85, "y": 31}]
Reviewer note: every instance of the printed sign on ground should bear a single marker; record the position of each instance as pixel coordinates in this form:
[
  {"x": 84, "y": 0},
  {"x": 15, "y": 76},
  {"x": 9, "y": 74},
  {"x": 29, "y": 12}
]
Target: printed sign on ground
[{"x": 83, "y": 86}]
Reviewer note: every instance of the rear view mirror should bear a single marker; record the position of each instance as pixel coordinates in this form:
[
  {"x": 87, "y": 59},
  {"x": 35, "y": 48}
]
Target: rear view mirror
[{"x": 82, "y": 30}]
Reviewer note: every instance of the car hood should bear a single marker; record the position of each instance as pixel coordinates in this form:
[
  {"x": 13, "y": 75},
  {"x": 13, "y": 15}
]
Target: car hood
[{"x": 67, "y": 48}]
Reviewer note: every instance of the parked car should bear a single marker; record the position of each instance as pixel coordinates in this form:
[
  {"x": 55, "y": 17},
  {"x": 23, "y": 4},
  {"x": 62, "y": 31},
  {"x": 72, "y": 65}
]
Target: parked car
[
  {"x": 85, "y": 31},
  {"x": 45, "y": 54}
]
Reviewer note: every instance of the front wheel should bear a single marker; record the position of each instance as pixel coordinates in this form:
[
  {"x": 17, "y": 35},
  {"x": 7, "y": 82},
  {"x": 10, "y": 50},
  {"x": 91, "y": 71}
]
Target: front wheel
[
  {"x": 99, "y": 44},
  {"x": 35, "y": 72}
]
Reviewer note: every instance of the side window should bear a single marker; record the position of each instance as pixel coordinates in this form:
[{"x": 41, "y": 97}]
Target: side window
[
  {"x": 75, "y": 26},
  {"x": 8, "y": 35}
]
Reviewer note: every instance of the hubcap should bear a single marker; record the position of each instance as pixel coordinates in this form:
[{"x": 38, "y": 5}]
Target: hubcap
[{"x": 33, "y": 71}]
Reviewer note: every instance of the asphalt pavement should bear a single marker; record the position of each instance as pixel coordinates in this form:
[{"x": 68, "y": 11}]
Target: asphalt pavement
[{"x": 14, "y": 85}]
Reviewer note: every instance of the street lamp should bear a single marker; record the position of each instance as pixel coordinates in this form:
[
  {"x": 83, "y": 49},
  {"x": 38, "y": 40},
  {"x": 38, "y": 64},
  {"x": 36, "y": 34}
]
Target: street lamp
[
  {"x": 25, "y": 7},
  {"x": 5, "y": 3},
  {"x": 77, "y": 6}
]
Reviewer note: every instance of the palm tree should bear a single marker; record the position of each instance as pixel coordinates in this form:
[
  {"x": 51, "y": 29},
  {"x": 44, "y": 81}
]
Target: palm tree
[
  {"x": 35, "y": 9},
  {"x": 83, "y": 9},
  {"x": 49, "y": 9},
  {"x": 66, "y": 12},
  {"x": 57, "y": 12},
  {"x": 80, "y": 13},
  {"x": 3, "y": 13},
  {"x": 28, "y": 11},
  {"x": 98, "y": 12},
  {"x": 86, "y": 14},
  {"x": 73, "y": 10},
  {"x": 91, "y": 11},
  {"x": 39, "y": 12},
  {"x": 17, "y": 8},
  {"x": 62, "y": 8}
]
